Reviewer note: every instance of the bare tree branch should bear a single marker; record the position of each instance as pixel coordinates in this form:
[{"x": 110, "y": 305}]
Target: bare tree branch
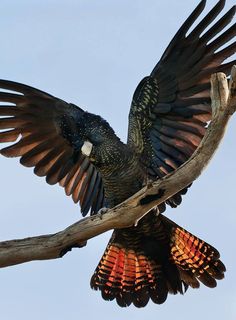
[{"x": 53, "y": 246}]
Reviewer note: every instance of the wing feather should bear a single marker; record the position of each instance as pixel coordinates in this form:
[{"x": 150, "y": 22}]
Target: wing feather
[
  {"x": 171, "y": 108},
  {"x": 45, "y": 127}
]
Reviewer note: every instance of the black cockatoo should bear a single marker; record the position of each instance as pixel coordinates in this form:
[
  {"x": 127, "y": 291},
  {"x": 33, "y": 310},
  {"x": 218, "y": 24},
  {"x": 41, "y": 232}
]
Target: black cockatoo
[{"x": 168, "y": 117}]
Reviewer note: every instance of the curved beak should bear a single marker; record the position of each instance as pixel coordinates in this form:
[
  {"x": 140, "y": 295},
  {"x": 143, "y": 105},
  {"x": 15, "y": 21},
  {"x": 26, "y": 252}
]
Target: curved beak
[{"x": 87, "y": 148}]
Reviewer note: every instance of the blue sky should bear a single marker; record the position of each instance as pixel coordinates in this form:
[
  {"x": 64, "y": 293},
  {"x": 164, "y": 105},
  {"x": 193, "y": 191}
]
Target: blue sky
[{"x": 94, "y": 53}]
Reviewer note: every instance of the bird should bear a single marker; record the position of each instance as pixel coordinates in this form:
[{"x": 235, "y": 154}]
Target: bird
[{"x": 169, "y": 115}]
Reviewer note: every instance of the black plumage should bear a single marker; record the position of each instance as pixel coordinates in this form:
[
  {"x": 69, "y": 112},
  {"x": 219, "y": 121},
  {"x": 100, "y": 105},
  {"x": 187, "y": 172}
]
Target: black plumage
[{"x": 168, "y": 117}]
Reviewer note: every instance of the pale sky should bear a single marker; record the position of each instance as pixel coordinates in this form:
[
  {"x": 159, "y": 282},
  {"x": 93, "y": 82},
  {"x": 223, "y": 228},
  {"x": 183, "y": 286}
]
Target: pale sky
[{"x": 94, "y": 53}]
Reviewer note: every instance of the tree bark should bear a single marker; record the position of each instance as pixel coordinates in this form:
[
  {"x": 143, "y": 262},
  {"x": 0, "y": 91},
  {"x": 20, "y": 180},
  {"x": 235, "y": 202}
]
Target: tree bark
[{"x": 55, "y": 245}]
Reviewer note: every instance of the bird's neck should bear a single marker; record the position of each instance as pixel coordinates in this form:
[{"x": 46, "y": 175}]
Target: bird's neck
[
  {"x": 116, "y": 156},
  {"x": 121, "y": 173}
]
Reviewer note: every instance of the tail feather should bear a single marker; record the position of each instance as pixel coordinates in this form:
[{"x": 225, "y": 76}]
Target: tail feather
[
  {"x": 129, "y": 277},
  {"x": 194, "y": 255},
  {"x": 139, "y": 282},
  {"x": 137, "y": 266}
]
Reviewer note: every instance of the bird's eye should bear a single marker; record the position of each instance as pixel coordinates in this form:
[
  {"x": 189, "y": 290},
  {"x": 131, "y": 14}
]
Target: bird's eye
[{"x": 96, "y": 139}]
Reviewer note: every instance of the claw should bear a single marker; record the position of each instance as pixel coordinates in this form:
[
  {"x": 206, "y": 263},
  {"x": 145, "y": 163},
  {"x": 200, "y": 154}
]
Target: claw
[
  {"x": 102, "y": 211},
  {"x": 148, "y": 182}
]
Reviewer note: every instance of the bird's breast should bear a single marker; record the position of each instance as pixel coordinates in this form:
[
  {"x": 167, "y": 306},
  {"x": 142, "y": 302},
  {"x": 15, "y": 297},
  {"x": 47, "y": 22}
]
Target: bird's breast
[{"x": 124, "y": 180}]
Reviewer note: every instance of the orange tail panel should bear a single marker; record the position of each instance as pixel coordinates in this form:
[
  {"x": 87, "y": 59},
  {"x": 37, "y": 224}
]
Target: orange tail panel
[{"x": 196, "y": 259}]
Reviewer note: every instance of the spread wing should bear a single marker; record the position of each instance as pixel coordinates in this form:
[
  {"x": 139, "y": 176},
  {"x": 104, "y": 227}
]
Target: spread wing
[
  {"x": 46, "y": 132},
  {"x": 171, "y": 107}
]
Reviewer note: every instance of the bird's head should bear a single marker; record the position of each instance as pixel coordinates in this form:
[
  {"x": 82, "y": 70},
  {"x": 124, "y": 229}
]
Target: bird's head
[{"x": 97, "y": 141}]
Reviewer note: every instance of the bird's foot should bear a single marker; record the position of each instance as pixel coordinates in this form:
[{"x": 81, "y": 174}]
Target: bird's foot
[
  {"x": 102, "y": 211},
  {"x": 148, "y": 182}
]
